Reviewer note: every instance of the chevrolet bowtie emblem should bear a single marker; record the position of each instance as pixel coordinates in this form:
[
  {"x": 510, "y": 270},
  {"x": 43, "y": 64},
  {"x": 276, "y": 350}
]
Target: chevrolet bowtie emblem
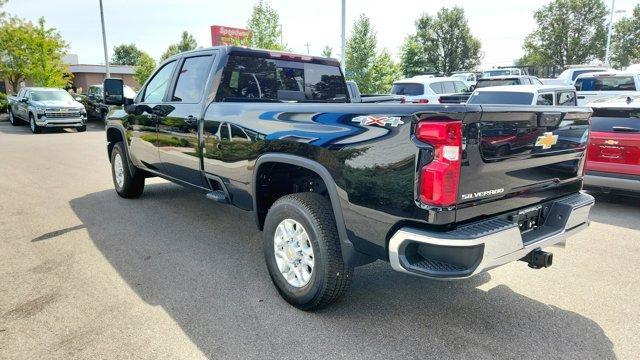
[
  {"x": 611, "y": 142},
  {"x": 394, "y": 121},
  {"x": 547, "y": 140}
]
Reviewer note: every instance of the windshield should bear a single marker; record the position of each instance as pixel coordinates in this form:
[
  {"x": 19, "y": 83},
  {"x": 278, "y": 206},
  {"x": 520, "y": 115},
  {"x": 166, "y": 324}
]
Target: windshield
[
  {"x": 56, "y": 95},
  {"x": 606, "y": 83},
  {"x": 250, "y": 78},
  {"x": 410, "y": 89},
  {"x": 500, "y": 97},
  {"x": 501, "y": 72},
  {"x": 496, "y": 82},
  {"x": 462, "y": 77},
  {"x": 618, "y": 120}
]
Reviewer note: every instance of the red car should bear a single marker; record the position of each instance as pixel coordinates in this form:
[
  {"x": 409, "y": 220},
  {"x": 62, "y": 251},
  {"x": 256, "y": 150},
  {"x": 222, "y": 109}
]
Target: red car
[{"x": 613, "y": 155}]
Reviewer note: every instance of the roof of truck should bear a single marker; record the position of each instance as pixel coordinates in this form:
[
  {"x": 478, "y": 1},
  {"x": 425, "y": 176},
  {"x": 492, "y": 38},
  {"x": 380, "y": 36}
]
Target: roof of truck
[
  {"x": 263, "y": 52},
  {"x": 527, "y": 88}
]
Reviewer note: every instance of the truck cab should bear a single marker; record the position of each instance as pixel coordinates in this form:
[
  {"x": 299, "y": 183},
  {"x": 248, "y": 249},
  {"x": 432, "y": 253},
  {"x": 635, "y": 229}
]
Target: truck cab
[
  {"x": 334, "y": 184},
  {"x": 598, "y": 85}
]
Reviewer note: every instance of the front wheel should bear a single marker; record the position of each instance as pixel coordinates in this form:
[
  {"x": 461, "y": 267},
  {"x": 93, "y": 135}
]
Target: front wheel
[
  {"x": 32, "y": 124},
  {"x": 82, "y": 128},
  {"x": 128, "y": 185},
  {"x": 302, "y": 251}
]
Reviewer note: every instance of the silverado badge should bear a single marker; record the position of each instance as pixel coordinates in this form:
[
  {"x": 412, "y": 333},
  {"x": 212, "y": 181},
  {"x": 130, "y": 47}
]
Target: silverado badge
[
  {"x": 547, "y": 140},
  {"x": 394, "y": 121}
]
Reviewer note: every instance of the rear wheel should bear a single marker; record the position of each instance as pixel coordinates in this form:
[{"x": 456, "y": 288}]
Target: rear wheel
[
  {"x": 32, "y": 124},
  {"x": 128, "y": 185},
  {"x": 12, "y": 119},
  {"x": 302, "y": 251}
]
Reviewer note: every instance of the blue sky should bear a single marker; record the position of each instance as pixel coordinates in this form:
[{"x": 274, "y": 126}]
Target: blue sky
[{"x": 153, "y": 25}]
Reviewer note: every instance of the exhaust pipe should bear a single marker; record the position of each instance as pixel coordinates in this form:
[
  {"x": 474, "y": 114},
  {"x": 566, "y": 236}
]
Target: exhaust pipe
[{"x": 538, "y": 259}]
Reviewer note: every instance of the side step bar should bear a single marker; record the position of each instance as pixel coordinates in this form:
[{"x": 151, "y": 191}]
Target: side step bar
[{"x": 218, "y": 196}]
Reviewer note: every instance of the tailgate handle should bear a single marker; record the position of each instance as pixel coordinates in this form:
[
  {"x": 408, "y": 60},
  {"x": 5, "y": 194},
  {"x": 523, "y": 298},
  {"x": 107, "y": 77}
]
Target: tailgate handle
[{"x": 549, "y": 118}]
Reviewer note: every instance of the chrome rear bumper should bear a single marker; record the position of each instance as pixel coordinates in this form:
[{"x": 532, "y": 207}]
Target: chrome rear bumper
[{"x": 487, "y": 244}]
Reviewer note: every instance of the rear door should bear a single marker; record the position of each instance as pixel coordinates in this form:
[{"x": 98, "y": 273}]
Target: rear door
[
  {"x": 178, "y": 131},
  {"x": 614, "y": 144},
  {"x": 515, "y": 156}
]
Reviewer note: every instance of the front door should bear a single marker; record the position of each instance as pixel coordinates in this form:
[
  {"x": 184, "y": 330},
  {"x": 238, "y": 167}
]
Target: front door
[
  {"x": 144, "y": 116},
  {"x": 178, "y": 135}
]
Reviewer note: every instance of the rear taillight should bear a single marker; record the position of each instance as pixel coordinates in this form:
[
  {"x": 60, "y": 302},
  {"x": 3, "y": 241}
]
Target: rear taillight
[
  {"x": 439, "y": 179},
  {"x": 422, "y": 101}
]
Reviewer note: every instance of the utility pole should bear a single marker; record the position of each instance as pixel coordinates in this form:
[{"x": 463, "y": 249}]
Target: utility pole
[
  {"x": 104, "y": 42},
  {"x": 307, "y": 45},
  {"x": 606, "y": 52},
  {"x": 343, "y": 38}
]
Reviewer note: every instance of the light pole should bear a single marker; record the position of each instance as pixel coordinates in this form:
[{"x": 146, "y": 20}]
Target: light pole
[
  {"x": 344, "y": 39},
  {"x": 104, "y": 43}
]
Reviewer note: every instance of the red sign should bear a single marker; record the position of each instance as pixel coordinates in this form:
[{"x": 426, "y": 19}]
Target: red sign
[{"x": 224, "y": 35}]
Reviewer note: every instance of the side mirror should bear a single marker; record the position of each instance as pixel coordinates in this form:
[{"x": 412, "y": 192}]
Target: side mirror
[
  {"x": 472, "y": 88},
  {"x": 24, "y": 100},
  {"x": 113, "y": 91}
]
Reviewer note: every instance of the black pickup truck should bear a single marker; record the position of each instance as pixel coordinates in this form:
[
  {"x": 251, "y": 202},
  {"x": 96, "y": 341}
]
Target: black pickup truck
[{"x": 334, "y": 184}]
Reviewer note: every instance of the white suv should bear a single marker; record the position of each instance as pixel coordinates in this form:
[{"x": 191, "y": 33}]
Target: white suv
[{"x": 424, "y": 90}]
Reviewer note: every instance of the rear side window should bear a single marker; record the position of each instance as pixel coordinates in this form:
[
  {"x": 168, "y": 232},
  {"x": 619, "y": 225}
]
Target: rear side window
[
  {"x": 192, "y": 79},
  {"x": 545, "y": 99},
  {"x": 407, "y": 89},
  {"x": 566, "y": 98},
  {"x": 437, "y": 87},
  {"x": 248, "y": 78},
  {"x": 606, "y": 83},
  {"x": 154, "y": 92},
  {"x": 613, "y": 120},
  {"x": 460, "y": 86},
  {"x": 500, "y": 97},
  {"x": 448, "y": 87}
]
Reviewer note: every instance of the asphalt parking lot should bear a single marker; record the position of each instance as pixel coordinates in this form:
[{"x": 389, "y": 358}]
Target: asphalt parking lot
[{"x": 86, "y": 274}]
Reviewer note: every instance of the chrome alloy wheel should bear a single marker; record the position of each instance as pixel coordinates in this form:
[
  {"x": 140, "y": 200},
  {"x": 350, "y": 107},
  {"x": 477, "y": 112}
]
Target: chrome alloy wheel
[
  {"x": 12, "y": 120},
  {"x": 118, "y": 170},
  {"x": 294, "y": 252},
  {"x": 32, "y": 123}
]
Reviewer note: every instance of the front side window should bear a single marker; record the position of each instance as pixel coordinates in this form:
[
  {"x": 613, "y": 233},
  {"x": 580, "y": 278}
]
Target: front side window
[
  {"x": 545, "y": 99},
  {"x": 448, "y": 87},
  {"x": 460, "y": 86},
  {"x": 250, "y": 78},
  {"x": 156, "y": 88},
  {"x": 192, "y": 79},
  {"x": 566, "y": 98}
]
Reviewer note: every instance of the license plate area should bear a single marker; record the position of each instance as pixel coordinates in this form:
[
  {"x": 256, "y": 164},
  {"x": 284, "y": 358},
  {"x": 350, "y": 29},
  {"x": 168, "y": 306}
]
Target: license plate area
[{"x": 529, "y": 219}]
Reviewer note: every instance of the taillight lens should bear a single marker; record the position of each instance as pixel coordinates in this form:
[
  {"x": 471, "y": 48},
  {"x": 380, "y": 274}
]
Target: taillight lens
[
  {"x": 422, "y": 101},
  {"x": 440, "y": 178}
]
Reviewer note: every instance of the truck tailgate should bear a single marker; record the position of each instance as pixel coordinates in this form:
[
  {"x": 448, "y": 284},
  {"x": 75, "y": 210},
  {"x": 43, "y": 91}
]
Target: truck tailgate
[{"x": 514, "y": 157}]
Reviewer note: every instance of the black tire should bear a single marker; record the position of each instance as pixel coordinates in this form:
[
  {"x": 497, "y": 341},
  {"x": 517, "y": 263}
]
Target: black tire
[
  {"x": 133, "y": 184},
  {"x": 12, "y": 119},
  {"x": 330, "y": 276},
  {"x": 32, "y": 125},
  {"x": 82, "y": 128},
  {"x": 103, "y": 114}
]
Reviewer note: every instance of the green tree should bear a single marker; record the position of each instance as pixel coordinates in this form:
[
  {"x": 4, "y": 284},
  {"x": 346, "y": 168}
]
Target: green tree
[
  {"x": 32, "y": 52},
  {"x": 144, "y": 67},
  {"x": 442, "y": 43},
  {"x": 47, "y": 68},
  {"x": 264, "y": 24},
  {"x": 187, "y": 43},
  {"x": 327, "y": 51},
  {"x": 568, "y": 32},
  {"x": 625, "y": 42},
  {"x": 125, "y": 54},
  {"x": 372, "y": 72}
]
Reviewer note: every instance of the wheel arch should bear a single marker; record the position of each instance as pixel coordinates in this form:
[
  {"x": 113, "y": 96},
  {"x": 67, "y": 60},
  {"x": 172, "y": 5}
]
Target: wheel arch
[
  {"x": 116, "y": 133},
  {"x": 349, "y": 254}
]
